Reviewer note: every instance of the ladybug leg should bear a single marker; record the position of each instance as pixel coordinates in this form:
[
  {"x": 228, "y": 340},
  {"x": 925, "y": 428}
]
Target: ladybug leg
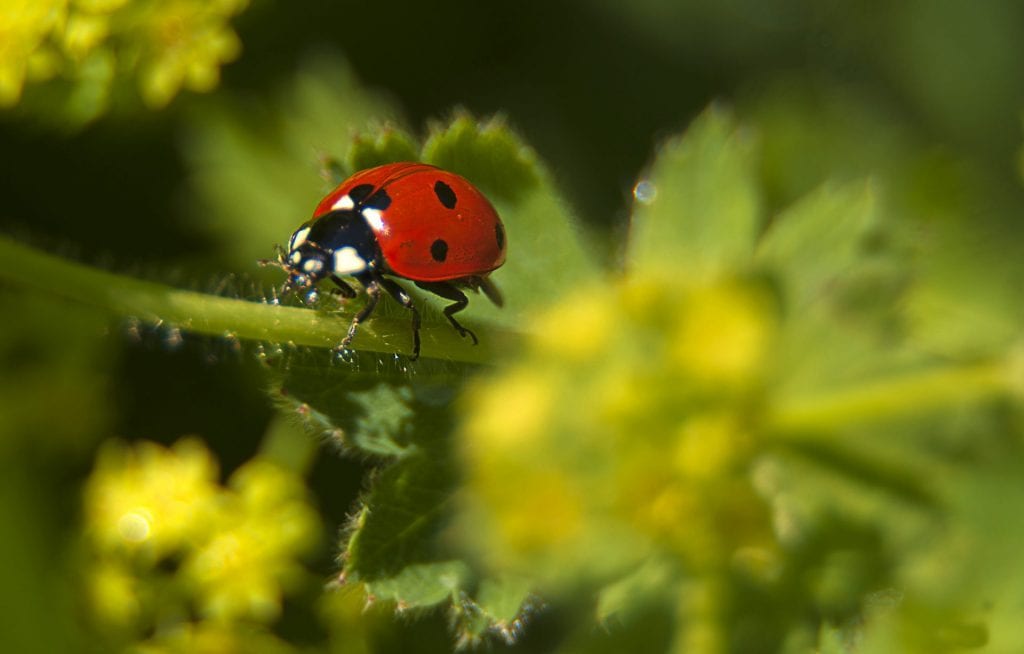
[
  {"x": 344, "y": 289},
  {"x": 373, "y": 296},
  {"x": 403, "y": 298},
  {"x": 449, "y": 292}
]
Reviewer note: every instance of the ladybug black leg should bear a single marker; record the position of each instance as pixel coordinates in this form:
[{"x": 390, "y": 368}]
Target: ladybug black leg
[
  {"x": 403, "y": 298},
  {"x": 344, "y": 289},
  {"x": 450, "y": 292},
  {"x": 373, "y": 296}
]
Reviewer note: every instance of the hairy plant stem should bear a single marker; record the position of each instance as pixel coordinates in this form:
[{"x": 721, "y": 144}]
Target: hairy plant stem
[{"x": 202, "y": 313}]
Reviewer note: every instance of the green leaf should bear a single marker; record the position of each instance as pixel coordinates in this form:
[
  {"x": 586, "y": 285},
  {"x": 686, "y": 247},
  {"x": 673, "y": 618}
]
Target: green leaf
[
  {"x": 697, "y": 211},
  {"x": 500, "y": 607},
  {"x": 402, "y": 516},
  {"x": 622, "y": 599},
  {"x": 819, "y": 240},
  {"x": 502, "y": 599},
  {"x": 360, "y": 411},
  {"x": 384, "y": 145},
  {"x": 421, "y": 585}
]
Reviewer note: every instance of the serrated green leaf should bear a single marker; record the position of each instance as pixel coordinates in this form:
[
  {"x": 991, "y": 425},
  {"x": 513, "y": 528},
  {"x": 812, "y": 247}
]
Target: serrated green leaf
[
  {"x": 818, "y": 240},
  {"x": 698, "y": 209},
  {"x": 404, "y": 511},
  {"x": 421, "y": 585},
  {"x": 488, "y": 154},
  {"x": 359, "y": 411},
  {"x": 386, "y": 145},
  {"x": 499, "y": 608},
  {"x": 502, "y": 600}
]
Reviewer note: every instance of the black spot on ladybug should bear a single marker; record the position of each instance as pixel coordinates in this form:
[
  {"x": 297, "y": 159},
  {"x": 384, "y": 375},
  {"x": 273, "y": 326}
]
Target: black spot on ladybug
[
  {"x": 445, "y": 194},
  {"x": 499, "y": 235},
  {"x": 439, "y": 250},
  {"x": 360, "y": 193},
  {"x": 379, "y": 200}
]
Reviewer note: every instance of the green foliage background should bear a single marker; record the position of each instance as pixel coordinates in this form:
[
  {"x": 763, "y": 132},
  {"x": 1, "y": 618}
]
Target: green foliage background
[{"x": 757, "y": 386}]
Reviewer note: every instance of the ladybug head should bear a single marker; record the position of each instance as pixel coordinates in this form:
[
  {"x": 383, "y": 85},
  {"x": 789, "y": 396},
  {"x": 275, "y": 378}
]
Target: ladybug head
[
  {"x": 337, "y": 243},
  {"x": 306, "y": 264}
]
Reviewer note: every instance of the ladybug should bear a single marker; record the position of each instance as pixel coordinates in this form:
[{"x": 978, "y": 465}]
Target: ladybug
[{"x": 401, "y": 220}]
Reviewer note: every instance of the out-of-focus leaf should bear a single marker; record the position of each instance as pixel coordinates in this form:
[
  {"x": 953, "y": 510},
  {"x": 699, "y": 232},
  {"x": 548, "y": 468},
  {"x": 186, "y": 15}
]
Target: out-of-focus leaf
[
  {"x": 697, "y": 210},
  {"x": 620, "y": 600},
  {"x": 54, "y": 393},
  {"x": 254, "y": 173},
  {"x": 421, "y": 585},
  {"x": 813, "y": 244},
  {"x": 967, "y": 300}
]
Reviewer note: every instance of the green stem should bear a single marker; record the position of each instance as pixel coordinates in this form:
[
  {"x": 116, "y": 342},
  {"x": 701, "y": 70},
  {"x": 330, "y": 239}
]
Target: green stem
[
  {"x": 907, "y": 394},
  {"x": 217, "y": 316}
]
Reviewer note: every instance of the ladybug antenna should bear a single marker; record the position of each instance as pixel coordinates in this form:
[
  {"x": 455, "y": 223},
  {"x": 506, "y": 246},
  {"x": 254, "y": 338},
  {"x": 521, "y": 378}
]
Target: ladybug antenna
[{"x": 278, "y": 262}]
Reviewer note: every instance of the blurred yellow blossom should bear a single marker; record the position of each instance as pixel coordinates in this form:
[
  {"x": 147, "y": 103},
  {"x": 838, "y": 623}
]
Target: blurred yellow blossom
[
  {"x": 151, "y": 497},
  {"x": 243, "y": 568},
  {"x": 167, "y": 45},
  {"x": 645, "y": 441},
  {"x": 188, "y": 42},
  {"x": 25, "y": 25},
  {"x": 235, "y": 550}
]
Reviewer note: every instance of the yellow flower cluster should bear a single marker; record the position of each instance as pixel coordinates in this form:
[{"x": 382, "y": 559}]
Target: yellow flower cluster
[
  {"x": 235, "y": 548},
  {"x": 628, "y": 427},
  {"x": 167, "y": 44}
]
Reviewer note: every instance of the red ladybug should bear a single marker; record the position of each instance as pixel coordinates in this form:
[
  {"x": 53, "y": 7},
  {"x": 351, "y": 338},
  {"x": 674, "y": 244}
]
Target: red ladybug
[{"x": 408, "y": 220}]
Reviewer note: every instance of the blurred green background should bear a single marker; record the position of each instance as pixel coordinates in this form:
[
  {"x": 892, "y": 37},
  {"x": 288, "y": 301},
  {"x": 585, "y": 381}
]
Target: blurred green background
[{"x": 928, "y": 94}]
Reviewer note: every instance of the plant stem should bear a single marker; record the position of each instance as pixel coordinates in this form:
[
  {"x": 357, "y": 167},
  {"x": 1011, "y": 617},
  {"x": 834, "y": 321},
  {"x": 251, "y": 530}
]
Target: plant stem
[
  {"x": 218, "y": 316},
  {"x": 910, "y": 393}
]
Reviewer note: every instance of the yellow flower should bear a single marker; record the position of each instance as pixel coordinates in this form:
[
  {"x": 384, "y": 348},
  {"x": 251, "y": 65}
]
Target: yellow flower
[
  {"x": 243, "y": 569},
  {"x": 152, "y": 498},
  {"x": 188, "y": 42},
  {"x": 83, "y": 33},
  {"x": 239, "y": 547},
  {"x": 24, "y": 27},
  {"x": 113, "y": 593},
  {"x": 169, "y": 45}
]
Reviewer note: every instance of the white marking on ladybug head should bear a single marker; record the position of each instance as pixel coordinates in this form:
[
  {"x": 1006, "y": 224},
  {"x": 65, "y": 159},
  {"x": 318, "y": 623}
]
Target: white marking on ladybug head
[
  {"x": 344, "y": 202},
  {"x": 295, "y": 258},
  {"x": 374, "y": 218},
  {"x": 312, "y": 266},
  {"x": 347, "y": 261},
  {"x": 298, "y": 238}
]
